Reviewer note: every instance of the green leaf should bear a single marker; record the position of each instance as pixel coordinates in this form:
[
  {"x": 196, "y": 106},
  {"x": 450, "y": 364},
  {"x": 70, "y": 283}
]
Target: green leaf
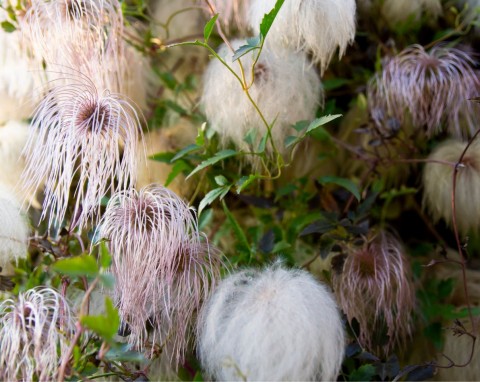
[
  {"x": 205, "y": 219},
  {"x": 316, "y": 123},
  {"x": 207, "y": 31},
  {"x": 342, "y": 182},
  {"x": 301, "y": 125},
  {"x": 219, "y": 192},
  {"x": 216, "y": 158},
  {"x": 269, "y": 18},
  {"x": 221, "y": 180},
  {"x": 165, "y": 157},
  {"x": 250, "y": 136},
  {"x": 105, "y": 257},
  {"x": 106, "y": 326},
  {"x": 124, "y": 354},
  {"x": 84, "y": 265},
  {"x": 291, "y": 140},
  {"x": 363, "y": 373},
  {"x": 186, "y": 150},
  {"x": 252, "y": 44},
  {"x": 8, "y": 26},
  {"x": 262, "y": 144},
  {"x": 245, "y": 181},
  {"x": 236, "y": 227},
  {"x": 334, "y": 83},
  {"x": 177, "y": 168}
]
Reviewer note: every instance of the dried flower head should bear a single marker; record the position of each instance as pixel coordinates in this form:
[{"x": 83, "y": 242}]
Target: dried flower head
[
  {"x": 86, "y": 135},
  {"x": 431, "y": 88},
  {"x": 374, "y": 287},
  {"x": 232, "y": 115},
  {"x": 275, "y": 324},
  {"x": 438, "y": 185},
  {"x": 13, "y": 228},
  {"x": 163, "y": 269},
  {"x": 317, "y": 26},
  {"x": 232, "y": 13},
  {"x": 35, "y": 330}
]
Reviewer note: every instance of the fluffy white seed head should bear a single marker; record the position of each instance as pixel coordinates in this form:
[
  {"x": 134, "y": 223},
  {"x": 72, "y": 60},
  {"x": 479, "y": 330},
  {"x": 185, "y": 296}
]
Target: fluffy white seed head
[
  {"x": 35, "y": 330},
  {"x": 14, "y": 228},
  {"x": 83, "y": 134},
  {"x": 438, "y": 185},
  {"x": 275, "y": 324},
  {"x": 286, "y": 102},
  {"x": 163, "y": 269},
  {"x": 317, "y": 26}
]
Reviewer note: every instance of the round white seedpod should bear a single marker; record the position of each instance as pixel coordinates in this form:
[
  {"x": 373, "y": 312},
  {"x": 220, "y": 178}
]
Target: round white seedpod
[
  {"x": 275, "y": 324},
  {"x": 438, "y": 185},
  {"x": 166, "y": 139},
  {"x": 14, "y": 229},
  {"x": 317, "y": 26},
  {"x": 286, "y": 89},
  {"x": 20, "y": 79}
]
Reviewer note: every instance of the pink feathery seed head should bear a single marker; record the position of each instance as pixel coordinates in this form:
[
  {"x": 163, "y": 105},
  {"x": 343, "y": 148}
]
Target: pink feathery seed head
[
  {"x": 35, "y": 331},
  {"x": 438, "y": 184},
  {"x": 163, "y": 267},
  {"x": 374, "y": 287},
  {"x": 81, "y": 134},
  {"x": 431, "y": 87},
  {"x": 232, "y": 13},
  {"x": 297, "y": 26}
]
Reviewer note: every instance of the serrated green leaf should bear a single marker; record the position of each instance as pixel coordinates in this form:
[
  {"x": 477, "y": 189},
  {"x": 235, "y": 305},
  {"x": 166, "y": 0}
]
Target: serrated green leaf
[
  {"x": 186, "y": 150},
  {"x": 269, "y": 18},
  {"x": 342, "y": 182},
  {"x": 251, "y": 45},
  {"x": 8, "y": 26},
  {"x": 211, "y": 196},
  {"x": 178, "y": 167},
  {"x": 221, "y": 180},
  {"x": 316, "y": 123},
  {"x": 301, "y": 125},
  {"x": 221, "y": 155},
  {"x": 106, "y": 326},
  {"x": 164, "y": 157},
  {"x": 84, "y": 265},
  {"x": 207, "y": 31}
]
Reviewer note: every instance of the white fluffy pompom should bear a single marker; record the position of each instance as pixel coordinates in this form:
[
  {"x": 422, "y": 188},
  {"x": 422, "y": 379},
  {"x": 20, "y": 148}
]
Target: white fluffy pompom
[
  {"x": 318, "y": 26},
  {"x": 275, "y": 324},
  {"x": 286, "y": 89},
  {"x": 13, "y": 228}
]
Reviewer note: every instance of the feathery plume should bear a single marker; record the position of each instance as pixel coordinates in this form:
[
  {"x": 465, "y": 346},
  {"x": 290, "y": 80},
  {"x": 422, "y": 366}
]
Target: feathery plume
[
  {"x": 35, "y": 330},
  {"x": 163, "y": 269},
  {"x": 232, "y": 115},
  {"x": 438, "y": 185},
  {"x": 275, "y": 324},
  {"x": 232, "y": 13},
  {"x": 20, "y": 77},
  {"x": 432, "y": 88},
  {"x": 13, "y": 229},
  {"x": 84, "y": 134},
  {"x": 374, "y": 287},
  {"x": 317, "y": 26},
  {"x": 401, "y": 11}
]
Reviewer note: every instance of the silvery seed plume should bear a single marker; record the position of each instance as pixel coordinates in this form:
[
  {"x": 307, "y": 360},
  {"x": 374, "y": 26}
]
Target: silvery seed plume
[
  {"x": 286, "y": 102},
  {"x": 14, "y": 228},
  {"x": 432, "y": 88},
  {"x": 35, "y": 330},
  {"x": 438, "y": 185},
  {"x": 163, "y": 269},
  {"x": 274, "y": 324},
  {"x": 316, "y": 26},
  {"x": 82, "y": 35},
  {"x": 374, "y": 287},
  {"x": 82, "y": 134},
  {"x": 20, "y": 77}
]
